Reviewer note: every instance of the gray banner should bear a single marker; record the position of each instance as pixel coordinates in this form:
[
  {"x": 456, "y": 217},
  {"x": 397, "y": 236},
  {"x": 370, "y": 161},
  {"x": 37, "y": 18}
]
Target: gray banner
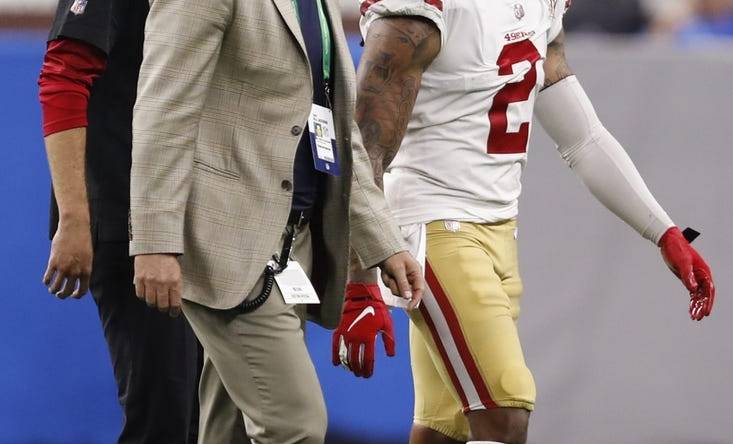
[{"x": 604, "y": 323}]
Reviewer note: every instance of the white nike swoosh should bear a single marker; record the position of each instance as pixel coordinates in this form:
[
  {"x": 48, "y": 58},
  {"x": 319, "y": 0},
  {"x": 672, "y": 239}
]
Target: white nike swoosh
[{"x": 367, "y": 311}]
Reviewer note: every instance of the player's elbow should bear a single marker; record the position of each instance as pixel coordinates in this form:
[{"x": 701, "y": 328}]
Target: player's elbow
[{"x": 568, "y": 116}]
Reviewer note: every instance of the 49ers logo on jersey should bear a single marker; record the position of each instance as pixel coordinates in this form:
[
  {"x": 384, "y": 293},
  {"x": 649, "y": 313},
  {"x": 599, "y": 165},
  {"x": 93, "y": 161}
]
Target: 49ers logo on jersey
[{"x": 512, "y": 36}]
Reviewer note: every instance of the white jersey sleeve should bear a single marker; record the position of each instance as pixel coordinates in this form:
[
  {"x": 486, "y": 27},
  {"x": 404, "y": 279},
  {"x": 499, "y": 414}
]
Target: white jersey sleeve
[
  {"x": 558, "y": 8},
  {"x": 372, "y": 10}
]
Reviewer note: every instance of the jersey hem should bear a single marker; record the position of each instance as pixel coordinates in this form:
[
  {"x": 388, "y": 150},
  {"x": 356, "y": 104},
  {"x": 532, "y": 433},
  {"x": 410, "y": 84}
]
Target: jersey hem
[{"x": 476, "y": 215}]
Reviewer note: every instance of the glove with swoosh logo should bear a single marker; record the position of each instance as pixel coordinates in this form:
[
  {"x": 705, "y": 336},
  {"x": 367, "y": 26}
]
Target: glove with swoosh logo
[{"x": 365, "y": 315}]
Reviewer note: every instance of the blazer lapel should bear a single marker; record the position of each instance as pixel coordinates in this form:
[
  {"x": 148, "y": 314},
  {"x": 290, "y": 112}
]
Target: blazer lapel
[{"x": 290, "y": 16}]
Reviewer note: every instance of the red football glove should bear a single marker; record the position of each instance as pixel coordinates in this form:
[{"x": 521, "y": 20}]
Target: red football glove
[
  {"x": 365, "y": 315},
  {"x": 692, "y": 270}
]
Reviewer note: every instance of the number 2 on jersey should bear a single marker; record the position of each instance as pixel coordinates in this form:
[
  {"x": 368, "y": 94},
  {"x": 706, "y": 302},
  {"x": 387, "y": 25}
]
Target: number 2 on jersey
[{"x": 500, "y": 140}]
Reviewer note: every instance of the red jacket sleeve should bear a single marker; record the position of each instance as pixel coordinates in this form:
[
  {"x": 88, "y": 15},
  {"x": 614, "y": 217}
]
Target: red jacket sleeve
[{"x": 69, "y": 70}]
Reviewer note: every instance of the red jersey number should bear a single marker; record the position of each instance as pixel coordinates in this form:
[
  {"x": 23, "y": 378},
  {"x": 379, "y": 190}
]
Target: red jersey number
[{"x": 500, "y": 141}]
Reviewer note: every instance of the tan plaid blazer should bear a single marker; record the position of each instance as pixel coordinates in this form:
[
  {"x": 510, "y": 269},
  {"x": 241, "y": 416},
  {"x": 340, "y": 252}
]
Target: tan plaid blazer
[{"x": 223, "y": 97}]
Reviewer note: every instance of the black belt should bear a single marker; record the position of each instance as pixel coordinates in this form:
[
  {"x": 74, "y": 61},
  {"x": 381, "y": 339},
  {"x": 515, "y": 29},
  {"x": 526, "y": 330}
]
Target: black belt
[{"x": 297, "y": 219}]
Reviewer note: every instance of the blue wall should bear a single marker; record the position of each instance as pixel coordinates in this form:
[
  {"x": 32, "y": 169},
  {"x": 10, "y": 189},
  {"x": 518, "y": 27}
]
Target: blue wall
[{"x": 56, "y": 381}]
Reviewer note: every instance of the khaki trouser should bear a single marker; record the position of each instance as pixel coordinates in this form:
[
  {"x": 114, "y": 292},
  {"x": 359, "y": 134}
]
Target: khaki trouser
[{"x": 258, "y": 375}]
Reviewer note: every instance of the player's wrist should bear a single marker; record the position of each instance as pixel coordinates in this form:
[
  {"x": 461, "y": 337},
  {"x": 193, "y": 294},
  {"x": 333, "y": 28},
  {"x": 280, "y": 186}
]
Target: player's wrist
[
  {"x": 363, "y": 291},
  {"x": 672, "y": 234}
]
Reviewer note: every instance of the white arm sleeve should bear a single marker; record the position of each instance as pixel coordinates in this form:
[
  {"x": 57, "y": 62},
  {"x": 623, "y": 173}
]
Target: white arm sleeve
[{"x": 566, "y": 113}]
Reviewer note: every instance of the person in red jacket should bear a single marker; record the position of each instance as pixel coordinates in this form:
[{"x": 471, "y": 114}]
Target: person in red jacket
[{"x": 87, "y": 90}]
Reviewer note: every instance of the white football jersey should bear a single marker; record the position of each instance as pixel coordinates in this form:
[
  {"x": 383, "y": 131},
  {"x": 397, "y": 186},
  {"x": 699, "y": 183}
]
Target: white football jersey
[{"x": 466, "y": 143}]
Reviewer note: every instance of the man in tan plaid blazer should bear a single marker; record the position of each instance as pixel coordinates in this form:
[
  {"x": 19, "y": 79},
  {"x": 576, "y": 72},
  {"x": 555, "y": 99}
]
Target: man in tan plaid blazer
[{"x": 224, "y": 94}]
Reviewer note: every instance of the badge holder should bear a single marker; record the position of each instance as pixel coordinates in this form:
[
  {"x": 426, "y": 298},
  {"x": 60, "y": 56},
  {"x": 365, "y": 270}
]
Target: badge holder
[
  {"x": 322, "y": 135},
  {"x": 292, "y": 281}
]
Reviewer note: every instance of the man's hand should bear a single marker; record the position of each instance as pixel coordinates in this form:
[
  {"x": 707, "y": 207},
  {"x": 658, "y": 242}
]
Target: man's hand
[
  {"x": 692, "y": 270},
  {"x": 70, "y": 261},
  {"x": 158, "y": 282},
  {"x": 402, "y": 274},
  {"x": 365, "y": 315}
]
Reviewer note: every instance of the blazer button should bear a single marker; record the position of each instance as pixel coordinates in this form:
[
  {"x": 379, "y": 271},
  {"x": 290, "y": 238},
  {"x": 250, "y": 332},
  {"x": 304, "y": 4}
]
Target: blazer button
[
  {"x": 296, "y": 130},
  {"x": 286, "y": 185}
]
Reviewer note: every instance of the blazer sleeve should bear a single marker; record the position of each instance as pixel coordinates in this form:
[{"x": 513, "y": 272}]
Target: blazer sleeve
[
  {"x": 374, "y": 234},
  {"x": 183, "y": 40}
]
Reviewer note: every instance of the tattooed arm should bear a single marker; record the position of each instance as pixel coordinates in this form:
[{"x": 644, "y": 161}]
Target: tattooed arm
[
  {"x": 396, "y": 52},
  {"x": 556, "y": 65}
]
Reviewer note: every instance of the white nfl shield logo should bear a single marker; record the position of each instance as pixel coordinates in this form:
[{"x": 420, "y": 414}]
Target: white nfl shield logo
[
  {"x": 78, "y": 7},
  {"x": 452, "y": 225},
  {"x": 518, "y": 11}
]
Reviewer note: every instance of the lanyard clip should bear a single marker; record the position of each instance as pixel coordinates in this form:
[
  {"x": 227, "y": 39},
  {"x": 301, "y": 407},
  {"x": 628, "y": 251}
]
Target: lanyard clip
[
  {"x": 282, "y": 260},
  {"x": 327, "y": 89}
]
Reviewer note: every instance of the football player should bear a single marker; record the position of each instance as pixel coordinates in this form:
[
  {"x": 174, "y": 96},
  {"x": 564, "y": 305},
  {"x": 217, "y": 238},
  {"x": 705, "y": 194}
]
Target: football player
[{"x": 453, "y": 85}]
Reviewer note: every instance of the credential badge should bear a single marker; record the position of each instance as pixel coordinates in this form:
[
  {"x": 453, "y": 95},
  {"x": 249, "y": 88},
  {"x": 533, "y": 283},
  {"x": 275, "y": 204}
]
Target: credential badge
[
  {"x": 518, "y": 11},
  {"x": 78, "y": 7}
]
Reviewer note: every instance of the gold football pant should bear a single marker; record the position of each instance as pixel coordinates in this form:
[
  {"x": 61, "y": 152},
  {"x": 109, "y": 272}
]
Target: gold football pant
[{"x": 464, "y": 345}]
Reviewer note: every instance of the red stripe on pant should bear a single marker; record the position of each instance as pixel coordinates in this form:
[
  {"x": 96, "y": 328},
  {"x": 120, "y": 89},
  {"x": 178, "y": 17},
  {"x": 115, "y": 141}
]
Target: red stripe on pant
[
  {"x": 455, "y": 328},
  {"x": 444, "y": 356}
]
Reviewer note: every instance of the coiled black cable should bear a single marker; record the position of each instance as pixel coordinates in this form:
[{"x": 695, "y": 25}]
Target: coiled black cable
[{"x": 253, "y": 304}]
